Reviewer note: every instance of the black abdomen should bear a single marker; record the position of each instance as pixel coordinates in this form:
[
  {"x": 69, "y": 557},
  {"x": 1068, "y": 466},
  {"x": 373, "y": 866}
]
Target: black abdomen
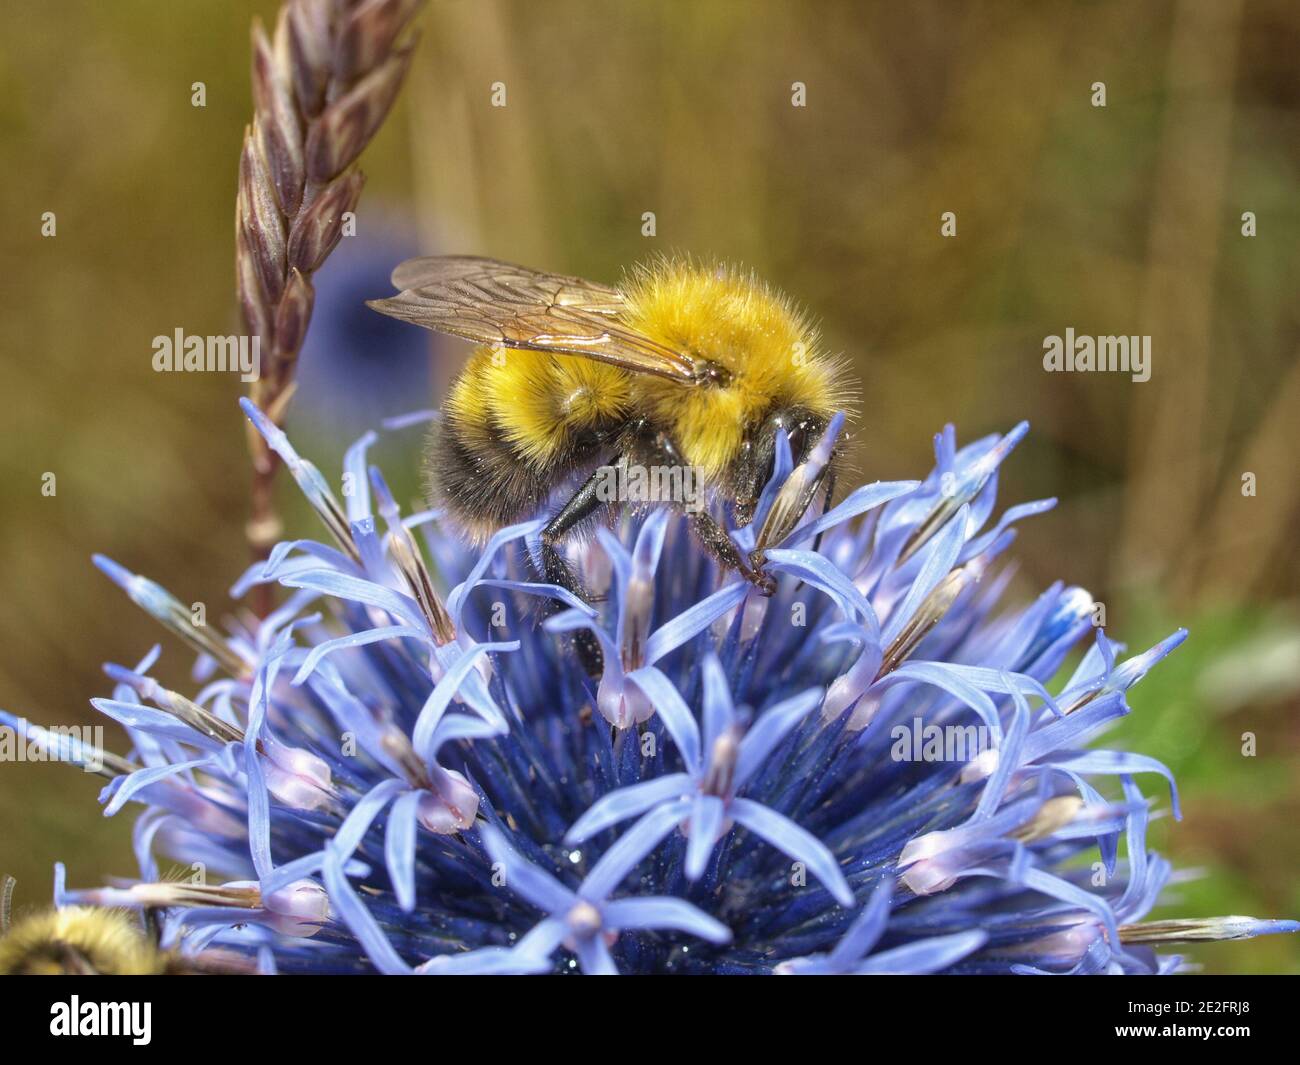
[{"x": 478, "y": 480}]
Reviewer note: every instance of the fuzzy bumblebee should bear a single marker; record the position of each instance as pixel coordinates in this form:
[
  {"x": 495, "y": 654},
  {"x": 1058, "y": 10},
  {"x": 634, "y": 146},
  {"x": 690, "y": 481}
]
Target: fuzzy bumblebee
[
  {"x": 84, "y": 940},
  {"x": 683, "y": 366},
  {"x": 101, "y": 941}
]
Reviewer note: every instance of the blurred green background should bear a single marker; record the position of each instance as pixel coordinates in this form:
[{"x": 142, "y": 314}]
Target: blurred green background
[{"x": 1117, "y": 220}]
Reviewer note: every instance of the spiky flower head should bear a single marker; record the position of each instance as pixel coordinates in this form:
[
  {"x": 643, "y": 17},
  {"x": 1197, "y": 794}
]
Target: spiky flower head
[{"x": 404, "y": 767}]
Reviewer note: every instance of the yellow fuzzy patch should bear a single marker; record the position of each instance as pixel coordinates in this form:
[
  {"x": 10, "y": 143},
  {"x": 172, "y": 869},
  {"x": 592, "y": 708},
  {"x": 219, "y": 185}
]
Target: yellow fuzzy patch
[
  {"x": 467, "y": 402},
  {"x": 107, "y": 940},
  {"x": 541, "y": 401},
  {"x": 739, "y": 323}
]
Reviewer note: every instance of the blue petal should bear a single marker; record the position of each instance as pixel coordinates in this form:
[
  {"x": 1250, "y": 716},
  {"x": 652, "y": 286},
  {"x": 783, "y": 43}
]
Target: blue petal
[
  {"x": 719, "y": 713},
  {"x": 630, "y": 801},
  {"x": 797, "y": 843},
  {"x": 707, "y": 813},
  {"x": 259, "y": 813},
  {"x": 357, "y": 823},
  {"x": 859, "y": 501},
  {"x": 923, "y": 956},
  {"x": 782, "y": 467},
  {"x": 693, "y": 620},
  {"x": 658, "y": 911},
  {"x": 544, "y": 591},
  {"x": 522, "y": 877},
  {"x": 573, "y": 620},
  {"x": 1070, "y": 730},
  {"x": 619, "y": 559},
  {"x": 626, "y": 854},
  {"x": 64, "y": 747},
  {"x": 650, "y": 543},
  {"x": 354, "y": 469},
  {"x": 356, "y": 639},
  {"x": 357, "y": 590},
  {"x": 486, "y": 961},
  {"x": 770, "y": 729},
  {"x": 542, "y": 939},
  {"x": 941, "y": 675},
  {"x": 938, "y": 559},
  {"x": 1001, "y": 682},
  {"x": 142, "y": 778},
  {"x": 415, "y": 417},
  {"x": 284, "y": 875},
  {"x": 673, "y": 712},
  {"x": 984, "y": 541},
  {"x": 1008, "y": 760},
  {"x": 399, "y": 848},
  {"x": 1114, "y": 762},
  {"x": 823, "y": 575},
  {"x": 156, "y": 723},
  {"x": 595, "y": 958},
  {"x": 443, "y": 693},
  {"x": 473, "y": 691},
  {"x": 143, "y": 834},
  {"x": 866, "y": 931},
  {"x": 456, "y": 600},
  {"x": 358, "y": 919},
  {"x": 1057, "y": 888},
  {"x": 463, "y": 727}
]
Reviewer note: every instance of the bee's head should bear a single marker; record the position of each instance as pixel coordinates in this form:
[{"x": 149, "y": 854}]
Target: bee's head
[
  {"x": 756, "y": 460},
  {"x": 757, "y": 357}
]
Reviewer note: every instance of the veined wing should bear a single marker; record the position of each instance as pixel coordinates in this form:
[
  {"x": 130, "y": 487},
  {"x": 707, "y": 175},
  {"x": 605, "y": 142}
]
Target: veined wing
[{"x": 501, "y": 304}]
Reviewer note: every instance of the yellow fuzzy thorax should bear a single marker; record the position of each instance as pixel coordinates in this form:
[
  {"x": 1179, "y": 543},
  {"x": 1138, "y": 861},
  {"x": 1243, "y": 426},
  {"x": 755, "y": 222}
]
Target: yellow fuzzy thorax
[
  {"x": 105, "y": 940},
  {"x": 735, "y": 321},
  {"x": 542, "y": 403}
]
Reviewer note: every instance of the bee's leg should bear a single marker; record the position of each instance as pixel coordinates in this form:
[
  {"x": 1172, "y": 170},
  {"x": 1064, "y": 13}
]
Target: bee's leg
[
  {"x": 828, "y": 498},
  {"x": 585, "y": 502},
  {"x": 659, "y": 449},
  {"x": 714, "y": 539}
]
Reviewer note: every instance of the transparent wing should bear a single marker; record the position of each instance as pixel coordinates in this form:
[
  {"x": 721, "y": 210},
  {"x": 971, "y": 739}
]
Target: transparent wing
[
  {"x": 519, "y": 282},
  {"x": 501, "y": 304}
]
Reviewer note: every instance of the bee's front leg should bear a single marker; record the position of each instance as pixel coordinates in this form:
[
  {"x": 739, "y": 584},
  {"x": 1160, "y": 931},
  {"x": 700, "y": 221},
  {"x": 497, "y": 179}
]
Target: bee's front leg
[
  {"x": 656, "y": 448},
  {"x": 718, "y": 544}
]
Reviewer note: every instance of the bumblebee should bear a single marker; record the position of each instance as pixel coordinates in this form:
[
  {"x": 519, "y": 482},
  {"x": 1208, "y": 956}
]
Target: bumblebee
[
  {"x": 79, "y": 940},
  {"x": 95, "y": 941},
  {"x": 92, "y": 941},
  {"x": 682, "y": 365}
]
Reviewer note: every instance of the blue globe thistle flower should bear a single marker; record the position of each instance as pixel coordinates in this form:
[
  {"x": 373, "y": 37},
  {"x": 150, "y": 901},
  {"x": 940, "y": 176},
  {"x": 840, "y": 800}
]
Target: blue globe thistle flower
[{"x": 404, "y": 769}]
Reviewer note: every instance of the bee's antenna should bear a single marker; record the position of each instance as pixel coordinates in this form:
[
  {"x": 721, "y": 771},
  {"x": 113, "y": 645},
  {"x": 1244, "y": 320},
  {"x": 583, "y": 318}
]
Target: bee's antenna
[{"x": 6, "y": 902}]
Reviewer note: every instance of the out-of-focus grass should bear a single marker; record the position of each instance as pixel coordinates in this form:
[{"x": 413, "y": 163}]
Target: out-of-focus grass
[
  {"x": 1232, "y": 687},
  {"x": 1065, "y": 216}
]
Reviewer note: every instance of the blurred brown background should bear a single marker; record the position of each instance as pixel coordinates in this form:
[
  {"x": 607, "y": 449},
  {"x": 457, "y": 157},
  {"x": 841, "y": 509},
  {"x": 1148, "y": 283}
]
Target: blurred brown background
[{"x": 1117, "y": 220}]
